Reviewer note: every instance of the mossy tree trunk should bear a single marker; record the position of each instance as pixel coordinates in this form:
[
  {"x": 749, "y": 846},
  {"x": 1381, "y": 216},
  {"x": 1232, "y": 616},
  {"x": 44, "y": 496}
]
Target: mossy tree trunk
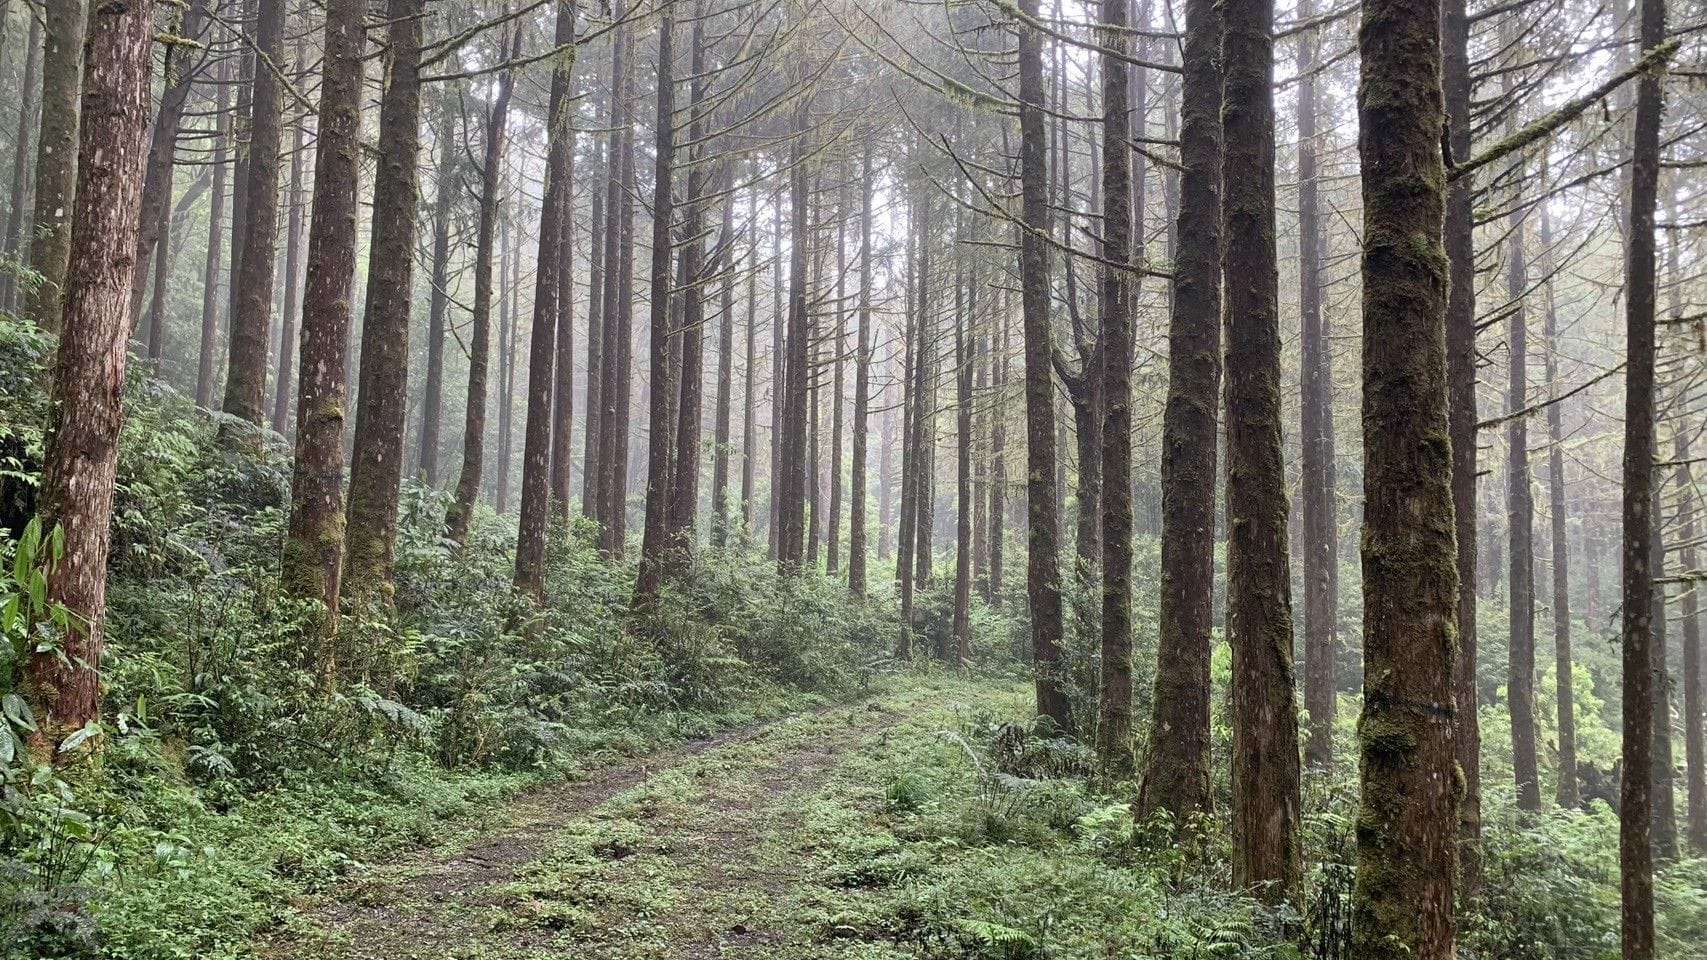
[
  {"x": 1265, "y": 765},
  {"x": 314, "y": 543},
  {"x": 1403, "y": 904},
  {"x": 376, "y": 460},
  {"x": 81, "y": 456},
  {"x": 56, "y": 161},
  {"x": 1176, "y": 765}
]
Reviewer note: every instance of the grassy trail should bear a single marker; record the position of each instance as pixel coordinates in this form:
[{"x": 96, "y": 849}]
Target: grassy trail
[{"x": 735, "y": 846}]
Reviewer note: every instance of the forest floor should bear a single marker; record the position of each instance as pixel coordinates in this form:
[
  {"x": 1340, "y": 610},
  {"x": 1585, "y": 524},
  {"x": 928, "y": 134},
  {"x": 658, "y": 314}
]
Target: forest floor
[{"x": 747, "y": 844}]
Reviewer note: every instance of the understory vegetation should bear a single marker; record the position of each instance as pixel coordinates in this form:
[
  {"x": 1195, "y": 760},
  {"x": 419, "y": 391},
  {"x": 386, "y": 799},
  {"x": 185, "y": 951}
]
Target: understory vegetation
[{"x": 231, "y": 794}]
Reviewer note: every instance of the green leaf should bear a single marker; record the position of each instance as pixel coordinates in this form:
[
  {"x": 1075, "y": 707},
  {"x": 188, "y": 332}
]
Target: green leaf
[
  {"x": 17, "y": 710},
  {"x": 90, "y": 730}
]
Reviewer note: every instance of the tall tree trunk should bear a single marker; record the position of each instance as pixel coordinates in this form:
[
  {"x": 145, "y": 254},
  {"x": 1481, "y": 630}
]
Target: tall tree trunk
[
  {"x": 656, "y": 536},
  {"x": 283, "y": 393},
  {"x": 749, "y": 374},
  {"x": 1461, "y": 372},
  {"x": 1176, "y": 771},
  {"x": 720, "y": 430},
  {"x": 246, "y": 368},
  {"x": 1564, "y": 695},
  {"x": 81, "y": 457},
  {"x": 563, "y": 385},
  {"x": 1662, "y": 769},
  {"x": 1636, "y": 802},
  {"x": 544, "y": 355},
  {"x": 1402, "y": 904},
  {"x": 448, "y": 182},
  {"x": 1316, "y": 424},
  {"x": 618, "y": 307},
  {"x": 181, "y": 72},
  {"x": 461, "y": 512},
  {"x": 906, "y": 538},
  {"x": 1265, "y": 774},
  {"x": 509, "y": 306},
  {"x": 1114, "y": 342},
  {"x": 602, "y": 229},
  {"x": 1043, "y": 573},
  {"x": 29, "y": 123},
  {"x": 376, "y": 462},
  {"x": 1694, "y": 696},
  {"x": 314, "y": 543},
  {"x": 1520, "y": 517},
  {"x": 963, "y": 484},
  {"x": 862, "y": 393},
  {"x": 774, "y": 478},
  {"x": 209, "y": 348},
  {"x": 924, "y": 415},
  {"x": 791, "y": 518},
  {"x": 682, "y": 506},
  {"x": 56, "y": 161},
  {"x": 833, "y": 524},
  {"x": 998, "y": 461}
]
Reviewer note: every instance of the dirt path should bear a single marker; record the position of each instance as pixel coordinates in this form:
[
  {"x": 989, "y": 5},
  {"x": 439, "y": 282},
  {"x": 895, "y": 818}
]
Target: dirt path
[{"x": 684, "y": 854}]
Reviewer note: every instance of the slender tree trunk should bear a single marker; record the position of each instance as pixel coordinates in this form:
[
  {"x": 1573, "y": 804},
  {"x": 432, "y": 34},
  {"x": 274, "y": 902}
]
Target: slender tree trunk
[
  {"x": 1520, "y": 516},
  {"x": 1663, "y": 769},
  {"x": 998, "y": 461},
  {"x": 509, "y": 307},
  {"x": 438, "y": 299},
  {"x": 598, "y": 279},
  {"x": 376, "y": 467},
  {"x": 1461, "y": 373},
  {"x": 1694, "y": 696},
  {"x": 924, "y": 416},
  {"x": 1265, "y": 768},
  {"x": 461, "y": 512},
  {"x": 283, "y": 393},
  {"x": 1176, "y": 772},
  {"x": 1403, "y": 901},
  {"x": 246, "y": 370},
  {"x": 1043, "y": 574},
  {"x": 963, "y": 486},
  {"x": 906, "y": 539},
  {"x": 1564, "y": 696},
  {"x": 1636, "y": 801},
  {"x": 56, "y": 161},
  {"x": 862, "y": 394},
  {"x": 162, "y": 157},
  {"x": 206, "y": 355},
  {"x": 81, "y": 457},
  {"x": 314, "y": 544},
  {"x": 1114, "y": 342},
  {"x": 720, "y": 430},
  {"x": 833, "y": 524},
  {"x": 29, "y": 123},
  {"x": 791, "y": 518},
  {"x": 563, "y": 386},
  {"x": 1316, "y": 426},
  {"x": 655, "y": 537},
  {"x": 618, "y": 308},
  {"x": 749, "y": 373},
  {"x": 544, "y": 354},
  {"x": 682, "y": 506}
]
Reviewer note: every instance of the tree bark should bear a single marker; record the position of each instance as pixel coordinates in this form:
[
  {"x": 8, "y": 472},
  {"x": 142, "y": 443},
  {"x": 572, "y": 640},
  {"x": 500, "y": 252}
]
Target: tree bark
[
  {"x": 1114, "y": 342},
  {"x": 1461, "y": 373},
  {"x": 461, "y": 512},
  {"x": 376, "y": 462},
  {"x": 1265, "y": 767},
  {"x": 246, "y": 368},
  {"x": 656, "y": 535},
  {"x": 602, "y": 228},
  {"x": 438, "y": 299},
  {"x": 1402, "y": 903},
  {"x": 618, "y": 308},
  {"x": 314, "y": 543},
  {"x": 29, "y": 123},
  {"x": 544, "y": 355},
  {"x": 720, "y": 429},
  {"x": 682, "y": 506},
  {"x": 283, "y": 393},
  {"x": 81, "y": 457},
  {"x": 862, "y": 394},
  {"x": 1176, "y": 772},
  {"x": 56, "y": 162},
  {"x": 791, "y": 515},
  {"x": 1043, "y": 574},
  {"x": 1564, "y": 695},
  {"x": 1316, "y": 426},
  {"x": 207, "y": 354},
  {"x": 963, "y": 482},
  {"x": 1636, "y": 802},
  {"x": 162, "y": 157},
  {"x": 1520, "y": 518}
]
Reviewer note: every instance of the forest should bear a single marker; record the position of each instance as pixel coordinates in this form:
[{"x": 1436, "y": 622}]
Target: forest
[{"x": 853, "y": 479}]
